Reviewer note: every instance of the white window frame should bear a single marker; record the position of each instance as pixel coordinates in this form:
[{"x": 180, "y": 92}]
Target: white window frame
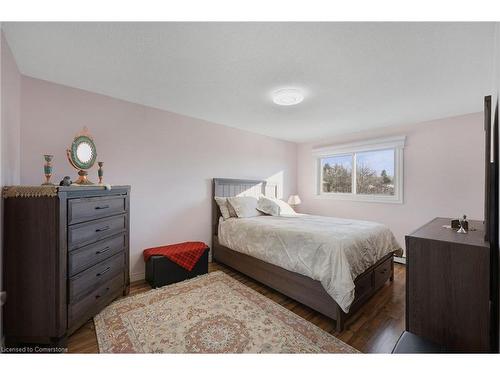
[{"x": 394, "y": 143}]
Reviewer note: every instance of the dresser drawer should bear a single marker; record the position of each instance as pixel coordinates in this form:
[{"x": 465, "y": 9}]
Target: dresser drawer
[
  {"x": 79, "y": 312},
  {"x": 91, "y": 278},
  {"x": 83, "y": 234},
  {"x": 87, "y": 256},
  {"x": 85, "y": 209},
  {"x": 382, "y": 273}
]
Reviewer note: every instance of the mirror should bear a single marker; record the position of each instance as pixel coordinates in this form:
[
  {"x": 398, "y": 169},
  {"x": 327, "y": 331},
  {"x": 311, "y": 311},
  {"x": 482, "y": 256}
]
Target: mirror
[
  {"x": 84, "y": 152},
  {"x": 82, "y": 155}
]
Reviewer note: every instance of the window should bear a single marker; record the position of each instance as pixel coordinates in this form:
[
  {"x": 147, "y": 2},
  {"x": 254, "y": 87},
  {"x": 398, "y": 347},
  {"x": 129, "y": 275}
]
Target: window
[
  {"x": 375, "y": 172},
  {"x": 337, "y": 174},
  {"x": 368, "y": 171}
]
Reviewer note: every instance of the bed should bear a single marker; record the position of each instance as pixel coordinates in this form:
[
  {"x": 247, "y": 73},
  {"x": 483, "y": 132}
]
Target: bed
[{"x": 238, "y": 243}]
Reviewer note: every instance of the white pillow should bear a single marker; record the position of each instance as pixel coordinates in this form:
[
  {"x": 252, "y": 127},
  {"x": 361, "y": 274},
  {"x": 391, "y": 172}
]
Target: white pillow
[
  {"x": 225, "y": 208},
  {"x": 268, "y": 206},
  {"x": 244, "y": 206},
  {"x": 274, "y": 207}
]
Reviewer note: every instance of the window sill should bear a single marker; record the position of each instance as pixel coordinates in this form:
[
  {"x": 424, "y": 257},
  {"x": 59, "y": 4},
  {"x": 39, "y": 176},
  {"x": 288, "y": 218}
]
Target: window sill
[{"x": 360, "y": 198}]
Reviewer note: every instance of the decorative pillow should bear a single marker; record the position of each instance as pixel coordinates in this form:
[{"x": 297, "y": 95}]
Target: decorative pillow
[
  {"x": 232, "y": 212},
  {"x": 244, "y": 206},
  {"x": 268, "y": 206},
  {"x": 274, "y": 207},
  {"x": 225, "y": 208}
]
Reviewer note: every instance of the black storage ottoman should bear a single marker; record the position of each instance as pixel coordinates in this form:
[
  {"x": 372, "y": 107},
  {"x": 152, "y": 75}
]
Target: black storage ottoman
[{"x": 162, "y": 271}]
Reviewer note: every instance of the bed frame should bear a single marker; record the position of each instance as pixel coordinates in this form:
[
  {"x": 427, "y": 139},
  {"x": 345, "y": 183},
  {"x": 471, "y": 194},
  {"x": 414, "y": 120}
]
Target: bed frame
[{"x": 294, "y": 285}]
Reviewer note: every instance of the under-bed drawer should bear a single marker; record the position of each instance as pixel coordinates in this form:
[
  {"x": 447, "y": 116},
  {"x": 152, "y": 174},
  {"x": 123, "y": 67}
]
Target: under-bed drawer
[
  {"x": 85, "y": 281},
  {"x": 382, "y": 273},
  {"x": 83, "y": 234},
  {"x": 364, "y": 285},
  {"x": 85, "y": 209}
]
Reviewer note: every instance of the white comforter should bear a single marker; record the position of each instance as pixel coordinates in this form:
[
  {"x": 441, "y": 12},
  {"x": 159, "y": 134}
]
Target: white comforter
[{"x": 331, "y": 250}]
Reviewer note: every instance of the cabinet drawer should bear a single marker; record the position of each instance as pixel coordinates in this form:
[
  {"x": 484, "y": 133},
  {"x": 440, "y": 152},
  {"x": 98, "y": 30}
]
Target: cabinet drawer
[
  {"x": 85, "y": 209},
  {"x": 83, "y": 234},
  {"x": 382, "y": 273},
  {"x": 87, "y": 256},
  {"x": 79, "y": 312},
  {"x": 91, "y": 278}
]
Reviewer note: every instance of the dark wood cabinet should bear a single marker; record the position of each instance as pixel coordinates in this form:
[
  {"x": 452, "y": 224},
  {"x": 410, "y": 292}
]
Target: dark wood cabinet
[
  {"x": 66, "y": 256},
  {"x": 448, "y": 286}
]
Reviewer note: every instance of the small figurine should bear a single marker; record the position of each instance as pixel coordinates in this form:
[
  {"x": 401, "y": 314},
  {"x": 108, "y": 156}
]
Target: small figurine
[{"x": 66, "y": 181}]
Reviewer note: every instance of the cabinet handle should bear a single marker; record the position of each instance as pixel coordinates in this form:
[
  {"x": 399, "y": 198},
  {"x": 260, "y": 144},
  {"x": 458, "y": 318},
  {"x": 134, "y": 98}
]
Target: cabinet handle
[
  {"x": 102, "y": 207},
  {"x": 103, "y": 272},
  {"x": 99, "y": 296},
  {"x": 107, "y": 248},
  {"x": 102, "y": 229}
]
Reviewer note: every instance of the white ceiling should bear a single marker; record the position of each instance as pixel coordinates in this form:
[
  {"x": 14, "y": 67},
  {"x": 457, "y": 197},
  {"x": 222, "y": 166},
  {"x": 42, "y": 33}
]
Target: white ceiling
[{"x": 356, "y": 76}]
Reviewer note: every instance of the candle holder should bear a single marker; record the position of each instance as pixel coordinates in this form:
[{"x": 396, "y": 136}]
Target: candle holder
[
  {"x": 100, "y": 171},
  {"x": 47, "y": 169}
]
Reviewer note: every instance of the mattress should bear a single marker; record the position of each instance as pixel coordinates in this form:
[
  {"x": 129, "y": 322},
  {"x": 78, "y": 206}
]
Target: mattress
[{"x": 331, "y": 250}]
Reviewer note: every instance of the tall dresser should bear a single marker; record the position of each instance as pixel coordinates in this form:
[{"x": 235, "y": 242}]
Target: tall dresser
[
  {"x": 448, "y": 286},
  {"x": 66, "y": 256}
]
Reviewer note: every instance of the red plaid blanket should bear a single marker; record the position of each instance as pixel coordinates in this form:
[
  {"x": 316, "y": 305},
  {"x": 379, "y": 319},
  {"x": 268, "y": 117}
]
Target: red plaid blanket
[{"x": 185, "y": 254}]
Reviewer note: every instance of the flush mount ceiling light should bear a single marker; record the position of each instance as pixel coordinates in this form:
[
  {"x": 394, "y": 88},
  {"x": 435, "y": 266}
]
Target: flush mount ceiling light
[{"x": 288, "y": 96}]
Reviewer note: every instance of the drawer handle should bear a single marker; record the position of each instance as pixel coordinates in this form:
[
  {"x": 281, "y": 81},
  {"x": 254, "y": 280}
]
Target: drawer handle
[
  {"x": 106, "y": 249},
  {"x": 102, "y": 207},
  {"x": 99, "y": 296},
  {"x": 102, "y": 229},
  {"x": 103, "y": 272}
]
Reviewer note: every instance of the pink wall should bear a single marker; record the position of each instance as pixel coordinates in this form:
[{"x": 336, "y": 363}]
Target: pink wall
[
  {"x": 11, "y": 125},
  {"x": 443, "y": 168},
  {"x": 168, "y": 159}
]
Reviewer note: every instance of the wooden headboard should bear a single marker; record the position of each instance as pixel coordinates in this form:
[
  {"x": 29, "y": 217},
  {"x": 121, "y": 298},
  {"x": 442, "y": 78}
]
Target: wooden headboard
[{"x": 226, "y": 187}]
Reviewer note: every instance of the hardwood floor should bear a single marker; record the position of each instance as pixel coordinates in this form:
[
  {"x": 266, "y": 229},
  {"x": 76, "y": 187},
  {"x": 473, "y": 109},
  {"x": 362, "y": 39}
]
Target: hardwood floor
[{"x": 375, "y": 328}]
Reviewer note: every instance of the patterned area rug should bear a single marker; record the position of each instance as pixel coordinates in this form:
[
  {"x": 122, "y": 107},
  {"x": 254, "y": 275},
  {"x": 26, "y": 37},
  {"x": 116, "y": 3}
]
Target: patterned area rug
[{"x": 213, "y": 313}]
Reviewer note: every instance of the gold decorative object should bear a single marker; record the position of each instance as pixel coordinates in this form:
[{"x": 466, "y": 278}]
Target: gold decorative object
[
  {"x": 47, "y": 169},
  {"x": 82, "y": 155},
  {"x": 29, "y": 191}
]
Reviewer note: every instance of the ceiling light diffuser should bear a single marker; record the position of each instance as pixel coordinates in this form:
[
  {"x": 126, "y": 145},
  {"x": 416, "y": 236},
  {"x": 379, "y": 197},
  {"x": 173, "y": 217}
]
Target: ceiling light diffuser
[{"x": 288, "y": 96}]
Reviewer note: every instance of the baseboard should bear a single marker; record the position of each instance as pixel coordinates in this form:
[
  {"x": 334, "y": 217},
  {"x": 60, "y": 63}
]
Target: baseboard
[
  {"x": 137, "y": 276},
  {"x": 400, "y": 260}
]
